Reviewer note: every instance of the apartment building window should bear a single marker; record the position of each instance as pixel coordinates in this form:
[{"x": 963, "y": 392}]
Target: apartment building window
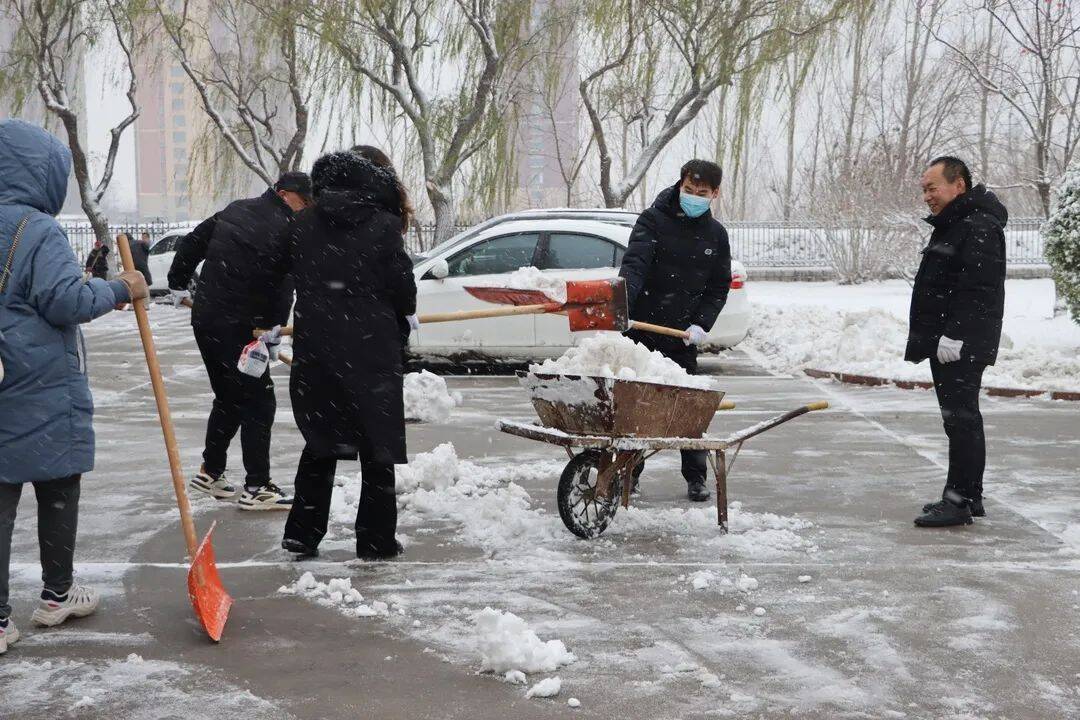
[
  {"x": 177, "y": 88},
  {"x": 176, "y": 71},
  {"x": 178, "y": 104},
  {"x": 179, "y": 137},
  {"x": 179, "y": 120}
]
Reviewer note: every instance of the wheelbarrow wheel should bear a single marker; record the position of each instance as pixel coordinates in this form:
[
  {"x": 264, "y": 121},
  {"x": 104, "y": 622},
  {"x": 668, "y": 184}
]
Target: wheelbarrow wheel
[{"x": 583, "y": 513}]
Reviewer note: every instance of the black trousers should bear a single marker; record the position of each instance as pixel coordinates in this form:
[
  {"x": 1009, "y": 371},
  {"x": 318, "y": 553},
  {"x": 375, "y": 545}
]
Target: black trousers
[
  {"x": 695, "y": 463},
  {"x": 241, "y": 402},
  {"x": 376, "y": 516},
  {"x": 58, "y": 521},
  {"x": 957, "y": 385}
]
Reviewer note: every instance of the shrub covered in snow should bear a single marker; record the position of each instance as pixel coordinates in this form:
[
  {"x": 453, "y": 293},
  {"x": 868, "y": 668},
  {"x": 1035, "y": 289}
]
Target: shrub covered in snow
[{"x": 1062, "y": 235}]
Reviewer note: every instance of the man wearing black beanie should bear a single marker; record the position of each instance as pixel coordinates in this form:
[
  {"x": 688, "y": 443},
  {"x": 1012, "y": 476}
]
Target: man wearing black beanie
[{"x": 236, "y": 294}]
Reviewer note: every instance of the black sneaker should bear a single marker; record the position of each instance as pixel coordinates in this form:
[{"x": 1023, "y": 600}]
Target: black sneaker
[
  {"x": 696, "y": 491},
  {"x": 976, "y": 506},
  {"x": 264, "y": 497},
  {"x": 951, "y": 510},
  {"x": 298, "y": 548}
]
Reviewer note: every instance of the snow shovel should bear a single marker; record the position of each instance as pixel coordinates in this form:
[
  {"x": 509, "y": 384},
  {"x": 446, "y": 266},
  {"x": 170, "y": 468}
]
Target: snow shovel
[
  {"x": 590, "y": 305},
  {"x": 208, "y": 596}
]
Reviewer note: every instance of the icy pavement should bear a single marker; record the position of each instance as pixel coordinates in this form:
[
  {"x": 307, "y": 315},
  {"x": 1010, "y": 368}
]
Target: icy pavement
[{"x": 823, "y": 602}]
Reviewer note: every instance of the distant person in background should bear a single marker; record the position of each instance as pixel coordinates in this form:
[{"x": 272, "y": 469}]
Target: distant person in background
[
  {"x": 97, "y": 262},
  {"x": 957, "y": 306},
  {"x": 140, "y": 253},
  {"x": 407, "y": 212}
]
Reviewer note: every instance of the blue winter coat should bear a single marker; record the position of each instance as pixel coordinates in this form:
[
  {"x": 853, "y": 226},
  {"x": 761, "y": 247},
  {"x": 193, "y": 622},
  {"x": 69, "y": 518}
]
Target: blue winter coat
[{"x": 46, "y": 412}]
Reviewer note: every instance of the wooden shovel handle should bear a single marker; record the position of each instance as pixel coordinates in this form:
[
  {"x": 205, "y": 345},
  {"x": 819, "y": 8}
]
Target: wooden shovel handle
[
  {"x": 162, "y": 407},
  {"x": 659, "y": 329},
  {"x": 464, "y": 315}
]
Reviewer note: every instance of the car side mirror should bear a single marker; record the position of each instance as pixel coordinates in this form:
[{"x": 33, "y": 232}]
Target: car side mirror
[{"x": 439, "y": 270}]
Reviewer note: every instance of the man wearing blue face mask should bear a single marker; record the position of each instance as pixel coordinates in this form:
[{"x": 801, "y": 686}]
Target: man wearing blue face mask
[{"x": 678, "y": 271}]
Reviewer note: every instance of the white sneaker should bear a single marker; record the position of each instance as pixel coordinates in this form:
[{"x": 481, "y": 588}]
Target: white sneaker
[
  {"x": 220, "y": 488},
  {"x": 80, "y": 601},
  {"x": 267, "y": 497},
  {"x": 9, "y": 635}
]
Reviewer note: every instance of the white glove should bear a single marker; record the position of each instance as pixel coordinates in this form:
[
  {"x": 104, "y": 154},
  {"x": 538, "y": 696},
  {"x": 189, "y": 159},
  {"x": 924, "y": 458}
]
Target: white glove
[
  {"x": 272, "y": 339},
  {"x": 948, "y": 350},
  {"x": 178, "y": 297},
  {"x": 414, "y": 322},
  {"x": 697, "y": 335}
]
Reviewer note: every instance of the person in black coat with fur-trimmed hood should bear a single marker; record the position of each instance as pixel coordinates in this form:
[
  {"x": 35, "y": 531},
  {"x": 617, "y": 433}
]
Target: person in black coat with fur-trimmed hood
[
  {"x": 354, "y": 285},
  {"x": 957, "y": 305}
]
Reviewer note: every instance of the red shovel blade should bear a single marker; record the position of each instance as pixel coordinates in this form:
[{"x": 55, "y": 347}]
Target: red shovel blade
[
  {"x": 590, "y": 304},
  {"x": 208, "y": 595},
  {"x": 510, "y": 296}
]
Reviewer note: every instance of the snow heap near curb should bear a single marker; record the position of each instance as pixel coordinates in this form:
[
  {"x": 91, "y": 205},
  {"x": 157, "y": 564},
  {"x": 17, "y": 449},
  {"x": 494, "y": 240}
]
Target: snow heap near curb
[
  {"x": 531, "y": 278},
  {"x": 337, "y": 593},
  {"x": 548, "y": 687},
  {"x": 506, "y": 643},
  {"x": 427, "y": 398},
  {"x": 610, "y": 354},
  {"x": 862, "y": 330}
]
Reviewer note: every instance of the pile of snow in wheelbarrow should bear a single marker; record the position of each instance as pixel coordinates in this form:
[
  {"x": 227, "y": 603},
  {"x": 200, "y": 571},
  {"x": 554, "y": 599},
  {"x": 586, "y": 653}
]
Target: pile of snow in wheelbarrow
[{"x": 518, "y": 541}]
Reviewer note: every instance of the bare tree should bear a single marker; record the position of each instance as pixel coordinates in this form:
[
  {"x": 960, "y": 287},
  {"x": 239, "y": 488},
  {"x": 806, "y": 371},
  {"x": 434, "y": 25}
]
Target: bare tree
[
  {"x": 707, "y": 45},
  {"x": 1036, "y": 72},
  {"x": 254, "y": 74},
  {"x": 449, "y": 69},
  {"x": 51, "y": 40}
]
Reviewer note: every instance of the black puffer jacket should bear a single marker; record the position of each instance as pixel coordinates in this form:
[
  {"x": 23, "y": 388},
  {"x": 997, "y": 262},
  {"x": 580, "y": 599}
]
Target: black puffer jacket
[
  {"x": 677, "y": 268},
  {"x": 959, "y": 290},
  {"x": 354, "y": 285},
  {"x": 236, "y": 243}
]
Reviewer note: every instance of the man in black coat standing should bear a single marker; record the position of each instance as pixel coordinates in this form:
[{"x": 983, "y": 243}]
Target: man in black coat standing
[
  {"x": 140, "y": 254},
  {"x": 678, "y": 271},
  {"x": 237, "y": 293},
  {"x": 957, "y": 303}
]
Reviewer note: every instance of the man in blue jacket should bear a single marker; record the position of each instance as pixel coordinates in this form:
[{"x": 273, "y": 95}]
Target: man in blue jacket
[{"x": 46, "y": 412}]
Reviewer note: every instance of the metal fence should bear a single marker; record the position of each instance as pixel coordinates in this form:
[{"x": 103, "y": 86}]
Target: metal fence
[{"x": 757, "y": 244}]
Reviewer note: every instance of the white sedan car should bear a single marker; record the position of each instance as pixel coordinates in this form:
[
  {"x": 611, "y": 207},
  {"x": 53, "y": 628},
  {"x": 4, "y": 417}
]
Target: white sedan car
[
  {"x": 162, "y": 252},
  {"x": 568, "y": 244}
]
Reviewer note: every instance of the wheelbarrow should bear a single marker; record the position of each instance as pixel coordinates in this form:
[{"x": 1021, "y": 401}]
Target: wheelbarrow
[{"x": 618, "y": 424}]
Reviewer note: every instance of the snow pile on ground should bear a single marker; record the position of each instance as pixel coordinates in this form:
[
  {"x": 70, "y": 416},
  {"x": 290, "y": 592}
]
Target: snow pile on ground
[
  {"x": 427, "y": 398},
  {"x": 336, "y": 593},
  {"x": 863, "y": 330},
  {"x": 548, "y": 687},
  {"x": 487, "y": 501},
  {"x": 531, "y": 278},
  {"x": 507, "y": 643},
  {"x": 610, "y": 354}
]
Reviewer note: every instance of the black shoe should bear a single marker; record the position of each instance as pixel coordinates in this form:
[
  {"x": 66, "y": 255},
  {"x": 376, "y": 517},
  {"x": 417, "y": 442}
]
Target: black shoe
[
  {"x": 696, "y": 491},
  {"x": 301, "y": 550},
  {"x": 976, "y": 506},
  {"x": 950, "y": 510},
  {"x": 368, "y": 551}
]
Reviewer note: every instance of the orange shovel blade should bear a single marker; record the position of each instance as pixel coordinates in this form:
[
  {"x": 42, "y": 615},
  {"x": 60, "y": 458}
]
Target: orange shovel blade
[
  {"x": 590, "y": 304},
  {"x": 208, "y": 595}
]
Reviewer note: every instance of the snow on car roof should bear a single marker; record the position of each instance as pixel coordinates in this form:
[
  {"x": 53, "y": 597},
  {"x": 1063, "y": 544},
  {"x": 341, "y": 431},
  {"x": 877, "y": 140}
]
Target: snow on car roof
[{"x": 619, "y": 233}]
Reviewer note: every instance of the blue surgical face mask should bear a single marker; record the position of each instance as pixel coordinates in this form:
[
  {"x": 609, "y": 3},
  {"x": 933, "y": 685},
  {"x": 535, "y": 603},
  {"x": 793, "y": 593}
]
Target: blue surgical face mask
[{"x": 693, "y": 205}]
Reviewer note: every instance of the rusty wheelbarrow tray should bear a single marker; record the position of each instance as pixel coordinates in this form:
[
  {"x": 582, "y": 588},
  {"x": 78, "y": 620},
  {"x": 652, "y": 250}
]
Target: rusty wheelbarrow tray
[{"x": 587, "y": 505}]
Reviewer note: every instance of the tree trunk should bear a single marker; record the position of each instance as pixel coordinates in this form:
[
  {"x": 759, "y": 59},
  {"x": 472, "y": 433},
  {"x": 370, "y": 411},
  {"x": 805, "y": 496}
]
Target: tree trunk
[
  {"x": 442, "y": 205},
  {"x": 87, "y": 196},
  {"x": 789, "y": 180}
]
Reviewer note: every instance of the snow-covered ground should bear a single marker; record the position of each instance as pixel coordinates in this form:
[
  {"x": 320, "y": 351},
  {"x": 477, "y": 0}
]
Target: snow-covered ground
[
  {"x": 822, "y": 602},
  {"x": 862, "y": 329}
]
